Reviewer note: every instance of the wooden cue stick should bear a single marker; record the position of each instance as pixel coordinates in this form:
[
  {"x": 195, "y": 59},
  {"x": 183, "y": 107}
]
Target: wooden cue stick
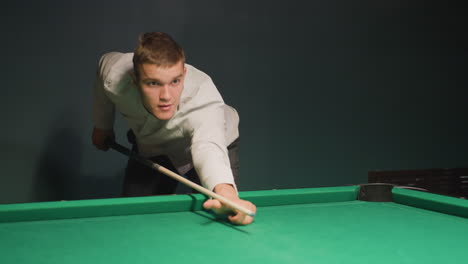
[{"x": 119, "y": 148}]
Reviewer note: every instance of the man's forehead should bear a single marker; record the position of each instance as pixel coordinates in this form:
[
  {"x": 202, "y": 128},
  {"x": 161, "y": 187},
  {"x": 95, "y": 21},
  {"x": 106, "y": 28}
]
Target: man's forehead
[{"x": 153, "y": 71}]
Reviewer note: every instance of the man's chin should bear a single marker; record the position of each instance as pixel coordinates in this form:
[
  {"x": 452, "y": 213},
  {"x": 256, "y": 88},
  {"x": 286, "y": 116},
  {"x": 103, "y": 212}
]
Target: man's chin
[{"x": 163, "y": 116}]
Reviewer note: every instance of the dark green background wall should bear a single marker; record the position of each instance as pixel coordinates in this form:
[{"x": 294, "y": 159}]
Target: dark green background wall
[{"x": 326, "y": 90}]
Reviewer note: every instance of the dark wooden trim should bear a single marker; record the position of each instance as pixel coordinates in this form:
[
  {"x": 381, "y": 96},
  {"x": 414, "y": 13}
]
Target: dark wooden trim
[{"x": 445, "y": 181}]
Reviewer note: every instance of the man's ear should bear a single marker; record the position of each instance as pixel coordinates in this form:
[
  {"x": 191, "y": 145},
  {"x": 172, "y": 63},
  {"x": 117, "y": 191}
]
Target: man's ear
[{"x": 134, "y": 78}]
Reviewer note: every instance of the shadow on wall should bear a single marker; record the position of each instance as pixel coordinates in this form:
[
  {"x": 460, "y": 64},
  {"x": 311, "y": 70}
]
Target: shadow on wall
[
  {"x": 59, "y": 176},
  {"x": 58, "y": 171}
]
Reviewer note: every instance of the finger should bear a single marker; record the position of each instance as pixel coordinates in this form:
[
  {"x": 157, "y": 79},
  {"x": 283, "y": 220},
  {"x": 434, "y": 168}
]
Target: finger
[
  {"x": 247, "y": 220},
  {"x": 236, "y": 218},
  {"x": 102, "y": 147},
  {"x": 241, "y": 219},
  {"x": 212, "y": 204},
  {"x": 208, "y": 204}
]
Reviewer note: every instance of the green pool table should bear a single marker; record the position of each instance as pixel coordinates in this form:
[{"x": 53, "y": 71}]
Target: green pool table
[{"x": 317, "y": 225}]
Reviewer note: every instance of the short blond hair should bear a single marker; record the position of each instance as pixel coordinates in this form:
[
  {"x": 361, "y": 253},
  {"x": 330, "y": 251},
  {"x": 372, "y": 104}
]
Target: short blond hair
[{"x": 157, "y": 48}]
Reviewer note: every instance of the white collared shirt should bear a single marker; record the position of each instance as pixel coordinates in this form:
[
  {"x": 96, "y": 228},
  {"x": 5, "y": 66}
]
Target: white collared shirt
[{"x": 197, "y": 135}]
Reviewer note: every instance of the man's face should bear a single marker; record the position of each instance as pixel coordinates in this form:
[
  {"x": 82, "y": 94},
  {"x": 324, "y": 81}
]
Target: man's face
[{"x": 161, "y": 88}]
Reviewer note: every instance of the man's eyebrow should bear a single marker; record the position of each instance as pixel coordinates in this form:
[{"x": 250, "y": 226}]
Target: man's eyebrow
[
  {"x": 177, "y": 77},
  {"x": 152, "y": 80},
  {"x": 159, "y": 81}
]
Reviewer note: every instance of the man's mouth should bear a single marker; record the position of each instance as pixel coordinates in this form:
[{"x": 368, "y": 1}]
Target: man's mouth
[{"x": 165, "y": 107}]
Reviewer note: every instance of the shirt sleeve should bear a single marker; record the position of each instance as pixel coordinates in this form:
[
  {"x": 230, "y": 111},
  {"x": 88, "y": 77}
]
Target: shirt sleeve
[
  {"x": 209, "y": 144},
  {"x": 103, "y": 113}
]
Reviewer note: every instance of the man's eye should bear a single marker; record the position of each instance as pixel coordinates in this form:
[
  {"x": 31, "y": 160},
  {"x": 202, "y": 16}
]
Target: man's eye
[
  {"x": 176, "y": 81},
  {"x": 152, "y": 83}
]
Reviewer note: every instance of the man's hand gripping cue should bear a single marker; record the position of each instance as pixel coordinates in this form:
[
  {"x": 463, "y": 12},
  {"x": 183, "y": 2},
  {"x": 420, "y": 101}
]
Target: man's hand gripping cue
[{"x": 235, "y": 217}]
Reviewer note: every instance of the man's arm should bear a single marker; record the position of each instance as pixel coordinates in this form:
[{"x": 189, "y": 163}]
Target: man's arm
[
  {"x": 103, "y": 112},
  {"x": 210, "y": 154},
  {"x": 212, "y": 164}
]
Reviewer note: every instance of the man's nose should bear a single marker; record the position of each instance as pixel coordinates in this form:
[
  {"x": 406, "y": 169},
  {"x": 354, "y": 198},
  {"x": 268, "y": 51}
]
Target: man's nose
[{"x": 165, "y": 95}]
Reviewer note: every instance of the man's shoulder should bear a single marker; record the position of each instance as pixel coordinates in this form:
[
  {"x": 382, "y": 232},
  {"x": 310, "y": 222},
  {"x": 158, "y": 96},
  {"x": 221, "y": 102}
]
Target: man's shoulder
[
  {"x": 195, "y": 81},
  {"x": 115, "y": 63},
  {"x": 114, "y": 70},
  {"x": 114, "y": 56},
  {"x": 196, "y": 76}
]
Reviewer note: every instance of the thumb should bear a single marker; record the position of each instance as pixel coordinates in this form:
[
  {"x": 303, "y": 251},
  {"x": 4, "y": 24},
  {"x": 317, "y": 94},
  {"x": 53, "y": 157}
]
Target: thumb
[
  {"x": 210, "y": 204},
  {"x": 213, "y": 204}
]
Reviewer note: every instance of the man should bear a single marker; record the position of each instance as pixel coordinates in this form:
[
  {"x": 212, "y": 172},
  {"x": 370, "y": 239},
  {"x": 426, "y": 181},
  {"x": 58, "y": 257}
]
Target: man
[{"x": 177, "y": 118}]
